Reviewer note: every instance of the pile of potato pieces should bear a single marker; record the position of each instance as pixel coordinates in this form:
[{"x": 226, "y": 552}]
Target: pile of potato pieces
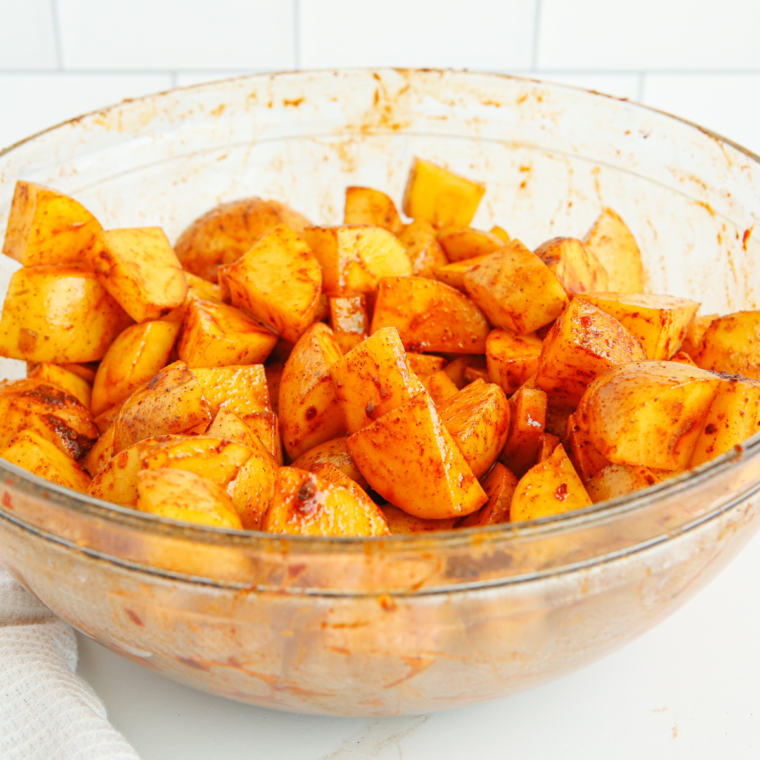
[{"x": 415, "y": 377}]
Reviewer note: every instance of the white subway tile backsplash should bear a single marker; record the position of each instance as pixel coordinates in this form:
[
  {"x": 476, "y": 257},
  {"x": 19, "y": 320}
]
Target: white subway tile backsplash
[
  {"x": 27, "y": 35},
  {"x": 478, "y": 34},
  {"x": 177, "y": 34},
  {"x": 649, "y": 34}
]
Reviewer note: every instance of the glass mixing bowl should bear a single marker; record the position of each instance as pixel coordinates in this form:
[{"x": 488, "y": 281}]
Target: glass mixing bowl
[{"x": 403, "y": 624}]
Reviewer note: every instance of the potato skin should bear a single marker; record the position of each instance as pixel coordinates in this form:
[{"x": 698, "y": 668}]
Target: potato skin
[
  {"x": 732, "y": 344},
  {"x": 64, "y": 379}
]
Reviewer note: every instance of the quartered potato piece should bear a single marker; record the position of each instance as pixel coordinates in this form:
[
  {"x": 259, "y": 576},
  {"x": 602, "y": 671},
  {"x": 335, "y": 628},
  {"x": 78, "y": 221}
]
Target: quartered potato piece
[
  {"x": 548, "y": 444},
  {"x": 457, "y": 369},
  {"x": 478, "y": 420},
  {"x": 647, "y": 413},
  {"x": 47, "y": 227},
  {"x": 500, "y": 233},
  {"x": 695, "y": 332},
  {"x": 526, "y": 431},
  {"x": 355, "y": 259},
  {"x": 197, "y": 287},
  {"x": 422, "y": 247},
  {"x": 585, "y": 458},
  {"x": 86, "y": 371},
  {"x": 430, "y": 316},
  {"x": 440, "y": 197},
  {"x": 252, "y": 490},
  {"x": 185, "y": 496},
  {"x": 453, "y": 274},
  {"x": 242, "y": 389},
  {"x": 218, "y": 335},
  {"x": 467, "y": 243},
  {"x": 619, "y": 480},
  {"x": 437, "y": 482},
  {"x": 55, "y": 374},
  {"x": 30, "y": 451},
  {"x": 424, "y": 364},
  {"x": 229, "y": 426},
  {"x": 659, "y": 322},
  {"x": 266, "y": 427},
  {"x": 333, "y": 452},
  {"x": 732, "y": 344},
  {"x": 132, "y": 360},
  {"x": 515, "y": 289},
  {"x": 310, "y": 412},
  {"x": 574, "y": 266},
  {"x": 278, "y": 281},
  {"x": 440, "y": 387},
  {"x": 583, "y": 343},
  {"x": 350, "y": 320},
  {"x": 58, "y": 314},
  {"x": 306, "y": 504},
  {"x": 550, "y": 488},
  {"x": 512, "y": 359},
  {"x": 614, "y": 246},
  {"x": 499, "y": 485},
  {"x": 101, "y": 453},
  {"x": 402, "y": 523},
  {"x": 140, "y": 270},
  {"x": 367, "y": 206},
  {"x": 106, "y": 419}
]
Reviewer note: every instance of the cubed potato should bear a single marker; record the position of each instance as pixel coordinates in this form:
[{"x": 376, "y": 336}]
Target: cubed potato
[
  {"x": 515, "y": 289},
  {"x": 440, "y": 387},
  {"x": 401, "y": 523},
  {"x": 648, "y": 413},
  {"x": 574, "y": 266},
  {"x": 140, "y": 270},
  {"x": 252, "y": 490},
  {"x": 171, "y": 403},
  {"x": 218, "y": 335},
  {"x": 135, "y": 357},
  {"x": 424, "y": 364},
  {"x": 478, "y": 420},
  {"x": 585, "y": 458},
  {"x": 583, "y": 343},
  {"x": 422, "y": 247},
  {"x": 430, "y": 316},
  {"x": 436, "y": 482},
  {"x": 229, "y": 426},
  {"x": 355, "y": 259},
  {"x": 273, "y": 372},
  {"x": 86, "y": 371},
  {"x": 659, "y": 322},
  {"x": 333, "y": 452},
  {"x": 457, "y": 368},
  {"x": 278, "y": 281},
  {"x": 48, "y": 410},
  {"x": 58, "y": 314},
  {"x": 266, "y": 427},
  {"x": 197, "y": 287},
  {"x": 310, "y": 412},
  {"x": 619, "y": 480},
  {"x": 367, "y": 206},
  {"x": 733, "y": 416},
  {"x": 467, "y": 243},
  {"x": 106, "y": 419},
  {"x": 47, "y": 227},
  {"x": 526, "y": 430},
  {"x": 695, "y": 332},
  {"x": 185, "y": 496},
  {"x": 511, "y": 358},
  {"x": 615, "y": 247},
  {"x": 223, "y": 234},
  {"x": 373, "y": 379},
  {"x": 306, "y": 504},
  {"x": 499, "y": 485},
  {"x": 549, "y": 488},
  {"x": 57, "y": 375},
  {"x": 453, "y": 274},
  {"x": 349, "y": 318},
  {"x": 242, "y": 390},
  {"x": 30, "y": 451},
  {"x": 500, "y": 233},
  {"x": 548, "y": 444},
  {"x": 439, "y": 196},
  {"x": 471, "y": 374},
  {"x": 732, "y": 344},
  {"x": 101, "y": 453}
]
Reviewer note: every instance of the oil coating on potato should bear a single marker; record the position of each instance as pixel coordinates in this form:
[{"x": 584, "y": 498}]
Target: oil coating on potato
[
  {"x": 333, "y": 452},
  {"x": 241, "y": 389},
  {"x": 467, "y": 243},
  {"x": 614, "y": 245},
  {"x": 499, "y": 484},
  {"x": 367, "y": 206},
  {"x": 423, "y": 248},
  {"x": 574, "y": 266},
  {"x": 732, "y": 344},
  {"x": 511, "y": 358}
]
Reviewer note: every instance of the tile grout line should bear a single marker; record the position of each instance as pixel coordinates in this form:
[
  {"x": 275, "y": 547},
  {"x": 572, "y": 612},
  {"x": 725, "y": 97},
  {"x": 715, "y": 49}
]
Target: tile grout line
[
  {"x": 57, "y": 34},
  {"x": 640, "y": 93},
  {"x": 297, "y": 34},
  {"x": 536, "y": 36}
]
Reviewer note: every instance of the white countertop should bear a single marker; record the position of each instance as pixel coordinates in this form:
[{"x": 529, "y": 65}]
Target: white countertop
[{"x": 689, "y": 689}]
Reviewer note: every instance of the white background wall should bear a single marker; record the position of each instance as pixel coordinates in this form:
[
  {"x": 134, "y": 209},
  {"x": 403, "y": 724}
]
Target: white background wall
[{"x": 696, "y": 58}]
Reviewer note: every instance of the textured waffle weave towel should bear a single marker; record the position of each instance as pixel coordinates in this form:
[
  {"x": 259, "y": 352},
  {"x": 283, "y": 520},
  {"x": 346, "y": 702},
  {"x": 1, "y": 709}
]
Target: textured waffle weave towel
[{"x": 47, "y": 712}]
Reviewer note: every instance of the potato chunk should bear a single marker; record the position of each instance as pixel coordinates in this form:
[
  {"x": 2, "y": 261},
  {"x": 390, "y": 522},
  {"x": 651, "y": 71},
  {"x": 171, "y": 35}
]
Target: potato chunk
[
  {"x": 33, "y": 453},
  {"x": 185, "y": 496},
  {"x": 55, "y": 374},
  {"x": 373, "y": 379},
  {"x": 101, "y": 453},
  {"x": 229, "y": 426},
  {"x": 58, "y": 314},
  {"x": 648, "y": 413},
  {"x": 423, "y": 248},
  {"x": 252, "y": 490},
  {"x": 512, "y": 359},
  {"x": 367, "y": 206},
  {"x": 401, "y": 523},
  {"x": 436, "y": 482},
  {"x": 574, "y": 266},
  {"x": 350, "y": 320},
  {"x": 218, "y": 335},
  {"x": 47, "y": 227},
  {"x": 478, "y": 420},
  {"x": 619, "y": 480},
  {"x": 424, "y": 364},
  {"x": 310, "y": 412},
  {"x": 499, "y": 485},
  {"x": 732, "y": 344},
  {"x": 440, "y": 387},
  {"x": 306, "y": 504},
  {"x": 430, "y": 316},
  {"x": 550, "y": 488},
  {"x": 440, "y": 197},
  {"x": 467, "y": 243},
  {"x": 355, "y": 259},
  {"x": 172, "y": 402},
  {"x": 140, "y": 270},
  {"x": 526, "y": 431},
  {"x": 333, "y": 452},
  {"x": 613, "y": 244},
  {"x": 659, "y": 322},
  {"x": 133, "y": 359},
  {"x": 242, "y": 390},
  {"x": 583, "y": 343},
  {"x": 278, "y": 281},
  {"x": 695, "y": 332},
  {"x": 734, "y": 416},
  {"x": 585, "y": 458},
  {"x": 266, "y": 427},
  {"x": 453, "y": 274},
  {"x": 515, "y": 289}
]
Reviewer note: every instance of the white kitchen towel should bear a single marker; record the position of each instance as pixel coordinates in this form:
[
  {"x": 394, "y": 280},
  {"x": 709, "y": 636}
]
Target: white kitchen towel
[{"x": 47, "y": 712}]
